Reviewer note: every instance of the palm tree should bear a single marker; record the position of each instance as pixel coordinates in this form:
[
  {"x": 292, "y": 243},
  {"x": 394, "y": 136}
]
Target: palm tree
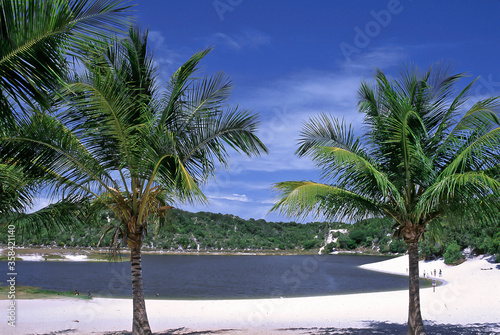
[
  {"x": 425, "y": 156},
  {"x": 134, "y": 147}
]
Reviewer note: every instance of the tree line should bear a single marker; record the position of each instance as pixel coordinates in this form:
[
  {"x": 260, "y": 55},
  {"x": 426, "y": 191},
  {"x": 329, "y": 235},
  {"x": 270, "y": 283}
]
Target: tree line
[{"x": 215, "y": 232}]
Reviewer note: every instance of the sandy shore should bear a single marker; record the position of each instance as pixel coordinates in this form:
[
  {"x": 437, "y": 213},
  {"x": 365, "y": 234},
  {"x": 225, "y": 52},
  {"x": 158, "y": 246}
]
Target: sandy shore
[{"x": 469, "y": 295}]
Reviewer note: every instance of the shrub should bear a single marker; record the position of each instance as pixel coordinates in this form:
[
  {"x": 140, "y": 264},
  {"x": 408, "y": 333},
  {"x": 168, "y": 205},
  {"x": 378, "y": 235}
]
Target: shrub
[
  {"x": 453, "y": 253},
  {"x": 329, "y": 248},
  {"x": 346, "y": 242},
  {"x": 397, "y": 246},
  {"x": 384, "y": 240},
  {"x": 496, "y": 244},
  {"x": 384, "y": 248},
  {"x": 310, "y": 244},
  {"x": 183, "y": 241},
  {"x": 358, "y": 236},
  {"x": 429, "y": 250},
  {"x": 368, "y": 242}
]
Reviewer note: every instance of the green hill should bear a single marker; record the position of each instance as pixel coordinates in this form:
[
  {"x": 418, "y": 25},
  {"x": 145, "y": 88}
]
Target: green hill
[{"x": 215, "y": 232}]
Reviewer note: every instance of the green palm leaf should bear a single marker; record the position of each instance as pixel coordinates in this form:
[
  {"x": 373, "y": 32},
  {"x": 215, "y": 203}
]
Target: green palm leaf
[{"x": 35, "y": 35}]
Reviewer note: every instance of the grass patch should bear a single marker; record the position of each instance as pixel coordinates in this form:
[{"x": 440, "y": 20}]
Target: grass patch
[
  {"x": 107, "y": 256},
  {"x": 6, "y": 259},
  {"x": 30, "y": 292}
]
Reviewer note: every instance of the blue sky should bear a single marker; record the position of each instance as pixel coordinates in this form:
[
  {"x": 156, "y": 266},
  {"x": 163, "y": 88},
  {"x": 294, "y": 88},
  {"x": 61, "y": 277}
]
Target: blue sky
[{"x": 290, "y": 60}]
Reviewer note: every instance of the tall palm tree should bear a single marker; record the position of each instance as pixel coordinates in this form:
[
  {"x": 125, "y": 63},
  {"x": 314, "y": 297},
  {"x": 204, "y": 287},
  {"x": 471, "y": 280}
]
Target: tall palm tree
[
  {"x": 425, "y": 156},
  {"x": 134, "y": 147},
  {"x": 36, "y": 39}
]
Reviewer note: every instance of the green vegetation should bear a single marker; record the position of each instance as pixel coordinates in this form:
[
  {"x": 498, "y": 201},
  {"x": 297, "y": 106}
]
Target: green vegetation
[
  {"x": 214, "y": 232},
  {"x": 37, "y": 40},
  {"x": 29, "y": 292},
  {"x": 452, "y": 254},
  {"x": 481, "y": 236}
]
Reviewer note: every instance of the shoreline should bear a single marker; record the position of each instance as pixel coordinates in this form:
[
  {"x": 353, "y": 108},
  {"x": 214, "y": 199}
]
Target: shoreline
[
  {"x": 58, "y": 254},
  {"x": 469, "y": 296}
]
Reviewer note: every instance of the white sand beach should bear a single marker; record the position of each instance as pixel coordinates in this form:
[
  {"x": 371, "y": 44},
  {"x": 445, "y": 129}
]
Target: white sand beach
[{"x": 468, "y": 295}]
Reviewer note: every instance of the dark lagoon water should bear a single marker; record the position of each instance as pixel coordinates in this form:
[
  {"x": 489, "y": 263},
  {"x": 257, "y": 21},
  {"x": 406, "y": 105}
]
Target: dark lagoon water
[{"x": 214, "y": 277}]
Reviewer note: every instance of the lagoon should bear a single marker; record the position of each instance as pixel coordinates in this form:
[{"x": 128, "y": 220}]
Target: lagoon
[{"x": 215, "y": 276}]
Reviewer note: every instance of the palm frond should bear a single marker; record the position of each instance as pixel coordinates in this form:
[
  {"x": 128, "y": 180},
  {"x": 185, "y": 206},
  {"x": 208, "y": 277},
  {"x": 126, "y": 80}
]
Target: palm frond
[
  {"x": 35, "y": 35},
  {"x": 44, "y": 147},
  {"x": 65, "y": 214},
  {"x": 464, "y": 190},
  {"x": 16, "y": 191},
  {"x": 321, "y": 131},
  {"x": 178, "y": 85},
  {"x": 204, "y": 146},
  {"x": 303, "y": 198}
]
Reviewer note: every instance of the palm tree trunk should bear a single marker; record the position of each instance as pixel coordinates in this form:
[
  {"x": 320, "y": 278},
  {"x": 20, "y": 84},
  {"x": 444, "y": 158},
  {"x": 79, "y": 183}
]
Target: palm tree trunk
[
  {"x": 415, "y": 322},
  {"x": 140, "y": 325}
]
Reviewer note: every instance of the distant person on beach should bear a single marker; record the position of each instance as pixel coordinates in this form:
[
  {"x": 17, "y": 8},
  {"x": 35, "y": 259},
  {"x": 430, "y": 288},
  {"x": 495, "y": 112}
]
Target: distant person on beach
[
  {"x": 440, "y": 273},
  {"x": 89, "y": 294},
  {"x": 77, "y": 293},
  {"x": 434, "y": 285},
  {"x": 434, "y": 272}
]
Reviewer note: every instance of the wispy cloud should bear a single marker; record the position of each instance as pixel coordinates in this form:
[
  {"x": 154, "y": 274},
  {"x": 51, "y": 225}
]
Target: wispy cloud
[
  {"x": 287, "y": 103},
  {"x": 40, "y": 203},
  {"x": 166, "y": 58},
  {"x": 380, "y": 58},
  {"x": 248, "y": 39},
  {"x": 232, "y": 197}
]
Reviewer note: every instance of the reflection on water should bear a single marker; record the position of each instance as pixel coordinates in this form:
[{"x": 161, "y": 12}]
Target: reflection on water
[{"x": 206, "y": 277}]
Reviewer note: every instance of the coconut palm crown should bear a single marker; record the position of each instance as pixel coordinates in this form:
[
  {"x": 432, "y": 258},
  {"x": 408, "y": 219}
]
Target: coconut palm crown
[
  {"x": 427, "y": 155},
  {"x": 133, "y": 145}
]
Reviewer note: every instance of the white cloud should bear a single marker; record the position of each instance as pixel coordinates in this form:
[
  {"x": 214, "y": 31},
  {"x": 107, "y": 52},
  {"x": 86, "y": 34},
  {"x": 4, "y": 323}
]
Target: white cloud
[
  {"x": 287, "y": 103},
  {"x": 167, "y": 60},
  {"x": 156, "y": 37},
  {"x": 232, "y": 197},
  {"x": 378, "y": 58},
  {"x": 248, "y": 39},
  {"x": 40, "y": 203}
]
